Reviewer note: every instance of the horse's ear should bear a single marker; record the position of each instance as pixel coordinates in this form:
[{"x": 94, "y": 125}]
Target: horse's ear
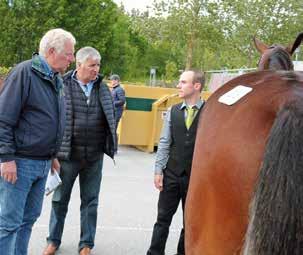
[
  {"x": 288, "y": 48},
  {"x": 261, "y": 47},
  {"x": 296, "y": 44}
]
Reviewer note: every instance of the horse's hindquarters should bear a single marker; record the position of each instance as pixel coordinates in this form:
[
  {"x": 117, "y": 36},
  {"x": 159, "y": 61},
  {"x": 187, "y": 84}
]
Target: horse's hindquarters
[
  {"x": 217, "y": 202},
  {"x": 228, "y": 153}
]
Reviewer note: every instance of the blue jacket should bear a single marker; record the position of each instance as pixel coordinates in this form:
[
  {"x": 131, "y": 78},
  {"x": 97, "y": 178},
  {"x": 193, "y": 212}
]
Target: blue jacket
[
  {"x": 32, "y": 112},
  {"x": 118, "y": 94}
]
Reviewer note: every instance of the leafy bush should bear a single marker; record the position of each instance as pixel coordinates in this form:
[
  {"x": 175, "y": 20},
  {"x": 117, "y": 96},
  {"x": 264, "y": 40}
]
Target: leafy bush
[{"x": 3, "y": 71}]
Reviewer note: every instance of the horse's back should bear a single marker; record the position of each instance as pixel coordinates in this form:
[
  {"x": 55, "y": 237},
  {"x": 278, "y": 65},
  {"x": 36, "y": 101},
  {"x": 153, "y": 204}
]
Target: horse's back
[{"x": 229, "y": 150}]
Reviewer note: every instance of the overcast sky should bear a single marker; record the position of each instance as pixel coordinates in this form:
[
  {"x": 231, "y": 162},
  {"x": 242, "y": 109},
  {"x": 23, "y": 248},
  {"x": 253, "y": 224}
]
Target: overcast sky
[{"x": 138, "y": 4}]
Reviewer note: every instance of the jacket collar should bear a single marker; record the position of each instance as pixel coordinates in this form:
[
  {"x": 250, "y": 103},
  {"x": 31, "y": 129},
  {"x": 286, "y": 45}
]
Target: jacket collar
[
  {"x": 40, "y": 65},
  {"x": 70, "y": 75}
]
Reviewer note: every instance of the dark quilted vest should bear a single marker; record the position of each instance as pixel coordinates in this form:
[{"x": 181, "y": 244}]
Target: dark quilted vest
[
  {"x": 183, "y": 142},
  {"x": 90, "y": 124}
]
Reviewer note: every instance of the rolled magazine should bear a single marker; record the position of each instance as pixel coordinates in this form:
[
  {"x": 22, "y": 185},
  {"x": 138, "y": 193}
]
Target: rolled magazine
[{"x": 53, "y": 182}]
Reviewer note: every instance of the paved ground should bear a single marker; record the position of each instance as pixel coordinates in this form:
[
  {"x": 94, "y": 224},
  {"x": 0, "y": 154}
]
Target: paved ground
[{"x": 127, "y": 210}]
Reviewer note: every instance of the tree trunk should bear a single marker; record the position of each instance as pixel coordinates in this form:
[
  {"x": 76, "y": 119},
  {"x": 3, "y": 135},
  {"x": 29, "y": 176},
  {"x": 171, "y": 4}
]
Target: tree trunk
[{"x": 190, "y": 49}]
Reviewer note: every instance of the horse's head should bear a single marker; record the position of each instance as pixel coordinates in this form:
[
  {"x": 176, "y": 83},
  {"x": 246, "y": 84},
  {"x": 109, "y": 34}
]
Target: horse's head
[{"x": 276, "y": 57}]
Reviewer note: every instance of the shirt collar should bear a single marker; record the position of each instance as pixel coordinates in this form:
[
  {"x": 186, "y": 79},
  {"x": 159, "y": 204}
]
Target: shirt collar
[
  {"x": 198, "y": 105},
  {"x": 74, "y": 77}
]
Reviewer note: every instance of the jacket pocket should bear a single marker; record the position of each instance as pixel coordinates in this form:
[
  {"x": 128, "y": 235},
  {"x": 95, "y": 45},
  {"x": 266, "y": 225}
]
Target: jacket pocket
[
  {"x": 23, "y": 138},
  {"x": 20, "y": 137}
]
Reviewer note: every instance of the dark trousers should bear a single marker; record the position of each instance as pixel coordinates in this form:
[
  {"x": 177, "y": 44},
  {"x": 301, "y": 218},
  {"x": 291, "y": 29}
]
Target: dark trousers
[
  {"x": 117, "y": 123},
  {"x": 174, "y": 190},
  {"x": 90, "y": 175}
]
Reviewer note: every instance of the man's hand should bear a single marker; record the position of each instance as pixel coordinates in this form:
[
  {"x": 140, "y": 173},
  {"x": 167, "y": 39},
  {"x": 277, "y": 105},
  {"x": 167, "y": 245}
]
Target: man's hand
[
  {"x": 9, "y": 171},
  {"x": 158, "y": 181},
  {"x": 55, "y": 165}
]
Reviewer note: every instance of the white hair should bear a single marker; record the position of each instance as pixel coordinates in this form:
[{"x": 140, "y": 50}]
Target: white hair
[
  {"x": 55, "y": 38},
  {"x": 85, "y": 53}
]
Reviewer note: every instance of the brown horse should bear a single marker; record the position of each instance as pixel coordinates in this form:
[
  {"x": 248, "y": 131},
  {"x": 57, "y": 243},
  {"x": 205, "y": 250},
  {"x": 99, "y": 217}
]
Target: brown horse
[{"x": 233, "y": 142}]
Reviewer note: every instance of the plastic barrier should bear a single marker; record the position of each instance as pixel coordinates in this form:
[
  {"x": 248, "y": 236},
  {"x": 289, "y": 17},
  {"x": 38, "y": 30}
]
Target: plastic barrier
[{"x": 142, "y": 118}]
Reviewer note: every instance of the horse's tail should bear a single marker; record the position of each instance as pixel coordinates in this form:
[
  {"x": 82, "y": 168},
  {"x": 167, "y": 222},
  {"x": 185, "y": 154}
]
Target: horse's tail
[{"x": 276, "y": 215}]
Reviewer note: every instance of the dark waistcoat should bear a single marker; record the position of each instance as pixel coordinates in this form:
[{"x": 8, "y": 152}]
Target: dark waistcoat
[
  {"x": 183, "y": 142},
  {"x": 90, "y": 125}
]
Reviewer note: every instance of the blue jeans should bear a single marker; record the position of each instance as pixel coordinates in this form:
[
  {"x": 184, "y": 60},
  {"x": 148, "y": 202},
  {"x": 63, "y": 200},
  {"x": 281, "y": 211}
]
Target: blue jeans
[
  {"x": 90, "y": 175},
  {"x": 21, "y": 204}
]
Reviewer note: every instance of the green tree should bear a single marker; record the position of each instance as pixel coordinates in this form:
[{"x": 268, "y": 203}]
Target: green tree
[
  {"x": 272, "y": 21},
  {"x": 174, "y": 34},
  {"x": 90, "y": 21},
  {"x": 171, "y": 71}
]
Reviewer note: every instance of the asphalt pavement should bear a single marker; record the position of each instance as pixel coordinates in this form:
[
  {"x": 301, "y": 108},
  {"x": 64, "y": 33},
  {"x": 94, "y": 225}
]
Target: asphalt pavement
[{"x": 126, "y": 214}]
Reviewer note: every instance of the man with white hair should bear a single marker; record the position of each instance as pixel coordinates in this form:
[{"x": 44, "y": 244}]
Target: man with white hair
[
  {"x": 32, "y": 119},
  {"x": 90, "y": 132}
]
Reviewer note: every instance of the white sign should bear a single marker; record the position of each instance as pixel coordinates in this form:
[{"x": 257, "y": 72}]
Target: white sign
[
  {"x": 298, "y": 65},
  {"x": 234, "y": 95}
]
